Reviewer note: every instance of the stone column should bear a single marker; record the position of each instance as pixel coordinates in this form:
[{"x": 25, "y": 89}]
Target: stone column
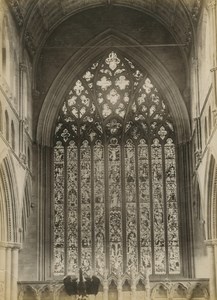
[
  {"x": 213, "y": 29},
  {"x": 105, "y": 290},
  {"x": 9, "y": 269},
  {"x": 212, "y": 280},
  {"x": 133, "y": 283},
  {"x": 147, "y": 285},
  {"x": 133, "y": 291},
  {"x": 22, "y": 69},
  {"x": 215, "y": 264},
  {"x": 14, "y": 271},
  {"x": 119, "y": 287},
  {"x": 3, "y": 271},
  {"x": 213, "y": 39},
  {"x": 8, "y": 274},
  {"x": 195, "y": 84},
  {"x": 38, "y": 296}
]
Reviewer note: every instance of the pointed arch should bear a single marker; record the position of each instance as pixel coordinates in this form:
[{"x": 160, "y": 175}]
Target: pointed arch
[
  {"x": 210, "y": 120},
  {"x": 212, "y": 199},
  {"x": 9, "y": 200},
  {"x": 199, "y": 292},
  {"x": 26, "y": 205},
  {"x": 205, "y": 129},
  {"x": 28, "y": 157},
  {"x": 29, "y": 292},
  {"x": 159, "y": 291},
  {"x": 6, "y": 125},
  {"x": 5, "y": 50},
  {"x": 83, "y": 57},
  {"x": 178, "y": 290},
  {"x": 16, "y": 79},
  {"x": 118, "y": 152},
  {"x": 197, "y": 200},
  {"x": 3, "y": 213},
  {"x": 12, "y": 135}
]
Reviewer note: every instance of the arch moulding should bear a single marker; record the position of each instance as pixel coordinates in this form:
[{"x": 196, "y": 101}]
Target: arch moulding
[
  {"x": 80, "y": 60},
  {"x": 9, "y": 207}
]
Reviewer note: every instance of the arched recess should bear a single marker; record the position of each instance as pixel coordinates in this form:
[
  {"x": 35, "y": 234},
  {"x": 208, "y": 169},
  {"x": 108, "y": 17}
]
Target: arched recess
[
  {"x": 196, "y": 199},
  {"x": 212, "y": 200},
  {"x": 3, "y": 213},
  {"x": 12, "y": 135},
  {"x": 9, "y": 209},
  {"x": 93, "y": 50},
  {"x": 46, "y": 125},
  {"x": 198, "y": 220},
  {"x": 6, "y": 50},
  {"x": 15, "y": 79},
  {"x": 6, "y": 126},
  {"x": 26, "y": 205}
]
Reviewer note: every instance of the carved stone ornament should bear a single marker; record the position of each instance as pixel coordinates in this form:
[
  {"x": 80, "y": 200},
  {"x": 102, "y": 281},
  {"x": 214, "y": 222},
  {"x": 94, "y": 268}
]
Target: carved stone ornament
[{"x": 17, "y": 11}]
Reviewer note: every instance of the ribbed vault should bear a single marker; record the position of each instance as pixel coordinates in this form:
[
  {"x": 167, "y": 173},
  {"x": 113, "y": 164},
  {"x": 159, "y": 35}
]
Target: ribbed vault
[{"x": 39, "y": 18}]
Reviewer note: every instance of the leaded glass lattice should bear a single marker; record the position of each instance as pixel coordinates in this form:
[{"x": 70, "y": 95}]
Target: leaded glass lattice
[
  {"x": 59, "y": 180},
  {"x": 131, "y": 205},
  {"x": 99, "y": 207},
  {"x": 115, "y": 206},
  {"x": 72, "y": 207},
  {"x": 144, "y": 208},
  {"x": 115, "y": 187}
]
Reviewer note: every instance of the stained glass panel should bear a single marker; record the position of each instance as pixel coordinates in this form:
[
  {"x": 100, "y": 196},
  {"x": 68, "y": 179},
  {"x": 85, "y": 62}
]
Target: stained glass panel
[
  {"x": 144, "y": 202},
  {"x": 115, "y": 206},
  {"x": 86, "y": 214},
  {"x": 115, "y": 200},
  {"x": 72, "y": 208},
  {"x": 99, "y": 207},
  {"x": 172, "y": 208},
  {"x": 131, "y": 205},
  {"x": 59, "y": 227},
  {"x": 113, "y": 86},
  {"x": 158, "y": 208}
]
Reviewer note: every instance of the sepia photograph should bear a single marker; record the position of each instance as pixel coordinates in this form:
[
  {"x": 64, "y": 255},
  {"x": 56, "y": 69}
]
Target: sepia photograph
[{"x": 108, "y": 149}]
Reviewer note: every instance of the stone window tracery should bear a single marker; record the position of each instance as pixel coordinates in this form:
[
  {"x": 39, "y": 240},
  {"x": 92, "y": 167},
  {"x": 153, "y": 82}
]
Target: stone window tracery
[{"x": 115, "y": 187}]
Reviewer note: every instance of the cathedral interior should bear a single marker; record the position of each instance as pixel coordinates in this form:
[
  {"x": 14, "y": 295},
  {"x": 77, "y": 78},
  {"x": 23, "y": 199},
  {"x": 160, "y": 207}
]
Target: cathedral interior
[{"x": 108, "y": 149}]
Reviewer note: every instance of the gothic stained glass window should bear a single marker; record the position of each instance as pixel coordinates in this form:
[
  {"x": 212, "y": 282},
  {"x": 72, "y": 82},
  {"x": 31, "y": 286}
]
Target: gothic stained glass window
[{"x": 115, "y": 185}]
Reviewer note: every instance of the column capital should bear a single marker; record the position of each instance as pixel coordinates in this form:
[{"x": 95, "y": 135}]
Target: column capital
[
  {"x": 211, "y": 242},
  {"x": 105, "y": 285},
  {"x": 214, "y": 69},
  {"x": 10, "y": 245}
]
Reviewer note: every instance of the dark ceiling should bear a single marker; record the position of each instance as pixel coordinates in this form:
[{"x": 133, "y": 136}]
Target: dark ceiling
[{"x": 38, "y": 18}]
